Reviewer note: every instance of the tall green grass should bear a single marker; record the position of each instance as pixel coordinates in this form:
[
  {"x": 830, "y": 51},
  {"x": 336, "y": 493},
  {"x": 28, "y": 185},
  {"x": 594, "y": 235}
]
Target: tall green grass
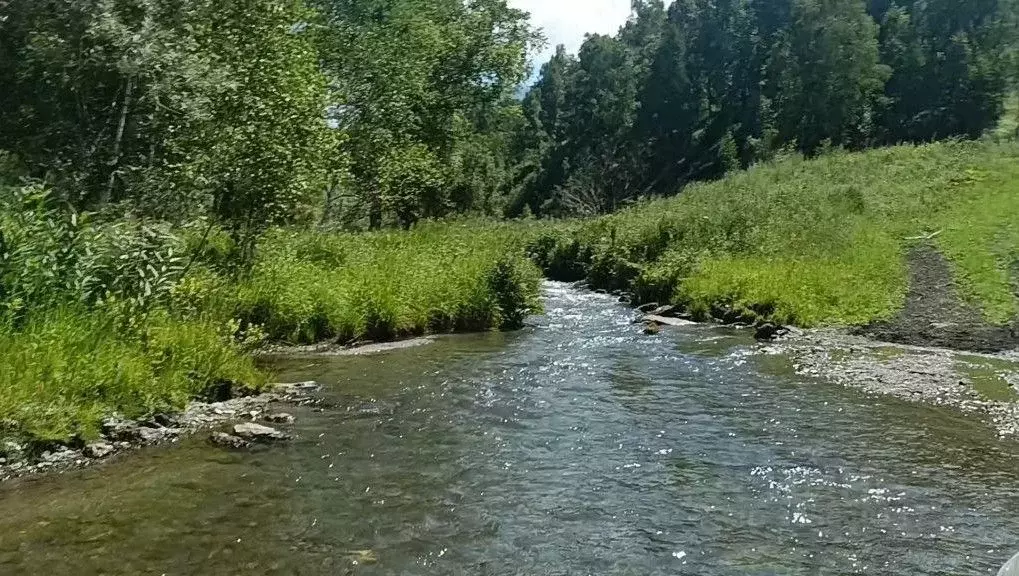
[
  {"x": 65, "y": 370},
  {"x": 308, "y": 287},
  {"x": 813, "y": 242},
  {"x": 101, "y": 318}
]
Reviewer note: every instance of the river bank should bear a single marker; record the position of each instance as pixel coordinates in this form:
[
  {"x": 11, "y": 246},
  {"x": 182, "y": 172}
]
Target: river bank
[
  {"x": 915, "y": 244},
  {"x": 122, "y": 436},
  {"x": 137, "y": 320},
  {"x": 983, "y": 385}
]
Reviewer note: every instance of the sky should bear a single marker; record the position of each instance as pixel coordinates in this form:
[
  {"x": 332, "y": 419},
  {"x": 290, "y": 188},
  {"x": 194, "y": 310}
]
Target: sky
[{"x": 566, "y": 21}]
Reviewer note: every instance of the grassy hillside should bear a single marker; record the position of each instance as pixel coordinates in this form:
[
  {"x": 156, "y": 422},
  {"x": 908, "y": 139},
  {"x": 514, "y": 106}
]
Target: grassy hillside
[{"x": 813, "y": 242}]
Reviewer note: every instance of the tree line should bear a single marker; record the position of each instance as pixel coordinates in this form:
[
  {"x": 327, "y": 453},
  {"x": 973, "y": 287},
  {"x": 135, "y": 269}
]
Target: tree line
[
  {"x": 372, "y": 113},
  {"x": 701, "y": 87},
  {"x": 260, "y": 112}
]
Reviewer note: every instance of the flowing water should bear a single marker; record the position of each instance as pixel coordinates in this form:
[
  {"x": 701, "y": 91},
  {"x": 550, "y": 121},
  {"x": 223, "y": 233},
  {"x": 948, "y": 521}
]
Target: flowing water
[{"x": 576, "y": 446}]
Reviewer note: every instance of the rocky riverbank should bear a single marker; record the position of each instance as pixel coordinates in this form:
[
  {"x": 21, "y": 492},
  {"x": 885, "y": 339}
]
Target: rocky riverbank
[
  {"x": 986, "y": 385},
  {"x": 122, "y": 435},
  {"x": 983, "y": 384}
]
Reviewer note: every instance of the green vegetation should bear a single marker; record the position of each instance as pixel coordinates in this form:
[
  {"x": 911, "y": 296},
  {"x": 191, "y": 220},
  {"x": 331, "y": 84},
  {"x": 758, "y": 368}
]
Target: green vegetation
[
  {"x": 124, "y": 317},
  {"x": 64, "y": 371},
  {"x": 184, "y": 180},
  {"x": 308, "y": 287},
  {"x": 811, "y": 242},
  {"x": 692, "y": 89}
]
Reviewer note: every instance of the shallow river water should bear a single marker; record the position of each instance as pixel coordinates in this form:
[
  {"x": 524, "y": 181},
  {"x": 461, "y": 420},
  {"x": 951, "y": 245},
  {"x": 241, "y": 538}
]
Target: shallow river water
[{"x": 576, "y": 446}]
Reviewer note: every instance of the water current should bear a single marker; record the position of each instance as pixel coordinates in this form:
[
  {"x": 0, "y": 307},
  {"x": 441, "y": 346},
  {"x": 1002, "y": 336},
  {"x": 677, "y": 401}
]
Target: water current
[{"x": 576, "y": 446}]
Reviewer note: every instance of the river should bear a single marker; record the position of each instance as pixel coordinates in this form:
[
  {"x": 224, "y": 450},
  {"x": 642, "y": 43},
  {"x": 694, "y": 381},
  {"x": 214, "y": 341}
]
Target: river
[{"x": 576, "y": 446}]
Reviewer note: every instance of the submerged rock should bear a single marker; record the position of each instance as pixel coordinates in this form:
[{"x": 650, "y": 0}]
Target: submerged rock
[
  {"x": 652, "y": 328},
  {"x": 228, "y": 441},
  {"x": 296, "y": 389},
  {"x": 281, "y": 418},
  {"x": 258, "y": 433},
  {"x": 371, "y": 410}
]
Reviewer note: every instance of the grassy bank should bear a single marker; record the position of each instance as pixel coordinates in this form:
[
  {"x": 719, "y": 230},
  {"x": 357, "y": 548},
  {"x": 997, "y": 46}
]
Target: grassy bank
[
  {"x": 308, "y": 287},
  {"x": 124, "y": 317},
  {"x": 98, "y": 317},
  {"x": 812, "y": 242}
]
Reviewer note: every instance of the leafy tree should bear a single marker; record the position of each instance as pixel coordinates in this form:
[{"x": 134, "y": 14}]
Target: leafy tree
[
  {"x": 175, "y": 106},
  {"x": 827, "y": 75},
  {"x": 417, "y": 76}
]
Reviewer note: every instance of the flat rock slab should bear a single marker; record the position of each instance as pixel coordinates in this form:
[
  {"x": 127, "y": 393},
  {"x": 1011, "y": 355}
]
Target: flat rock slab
[
  {"x": 668, "y": 321},
  {"x": 258, "y": 433}
]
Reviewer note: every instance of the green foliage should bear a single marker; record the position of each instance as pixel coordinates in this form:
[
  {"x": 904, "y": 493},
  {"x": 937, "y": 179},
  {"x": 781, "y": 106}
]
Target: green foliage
[
  {"x": 176, "y": 107},
  {"x": 706, "y": 87},
  {"x": 308, "y": 287},
  {"x": 67, "y": 369},
  {"x": 50, "y": 256},
  {"x": 419, "y": 84},
  {"x": 817, "y": 242},
  {"x": 826, "y": 75},
  {"x": 132, "y": 317}
]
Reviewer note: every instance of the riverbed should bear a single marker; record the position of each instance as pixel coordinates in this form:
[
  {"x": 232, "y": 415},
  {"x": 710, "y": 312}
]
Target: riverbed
[{"x": 578, "y": 446}]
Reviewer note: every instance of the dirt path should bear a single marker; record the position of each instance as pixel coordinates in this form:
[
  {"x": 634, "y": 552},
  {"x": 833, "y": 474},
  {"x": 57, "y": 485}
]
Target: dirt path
[{"x": 935, "y": 315}]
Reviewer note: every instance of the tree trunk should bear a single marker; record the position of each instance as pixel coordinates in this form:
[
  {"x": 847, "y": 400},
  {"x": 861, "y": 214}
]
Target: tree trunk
[
  {"x": 374, "y": 209},
  {"x": 327, "y": 210},
  {"x": 118, "y": 143}
]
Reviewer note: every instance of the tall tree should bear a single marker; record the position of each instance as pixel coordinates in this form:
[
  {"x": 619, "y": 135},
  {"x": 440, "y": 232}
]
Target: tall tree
[
  {"x": 949, "y": 76},
  {"x": 417, "y": 86},
  {"x": 826, "y": 75}
]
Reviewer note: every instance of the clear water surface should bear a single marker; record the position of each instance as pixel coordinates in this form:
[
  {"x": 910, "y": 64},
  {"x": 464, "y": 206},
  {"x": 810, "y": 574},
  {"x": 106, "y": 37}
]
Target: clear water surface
[{"x": 576, "y": 446}]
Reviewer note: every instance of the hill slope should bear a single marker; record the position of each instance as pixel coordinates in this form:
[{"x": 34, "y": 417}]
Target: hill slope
[{"x": 820, "y": 242}]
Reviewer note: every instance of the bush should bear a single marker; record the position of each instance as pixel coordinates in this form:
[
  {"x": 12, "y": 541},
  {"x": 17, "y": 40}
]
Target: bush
[{"x": 52, "y": 256}]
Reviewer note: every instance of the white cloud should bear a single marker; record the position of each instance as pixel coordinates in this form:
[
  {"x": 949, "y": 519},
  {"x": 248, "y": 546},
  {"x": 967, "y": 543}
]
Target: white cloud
[{"x": 566, "y": 21}]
